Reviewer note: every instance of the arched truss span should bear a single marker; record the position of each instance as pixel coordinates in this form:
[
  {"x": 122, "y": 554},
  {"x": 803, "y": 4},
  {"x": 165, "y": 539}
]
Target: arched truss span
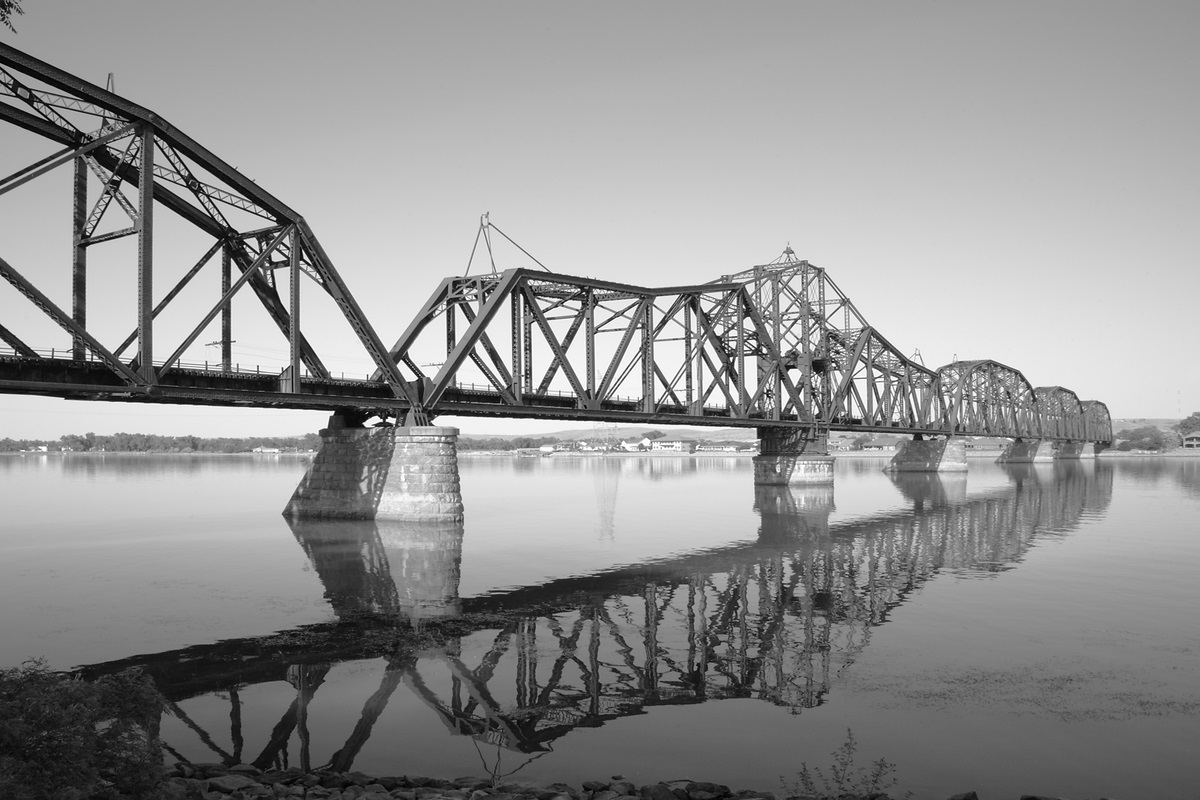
[
  {"x": 987, "y": 398},
  {"x": 776, "y": 344},
  {"x": 1097, "y": 421},
  {"x": 1062, "y": 414}
]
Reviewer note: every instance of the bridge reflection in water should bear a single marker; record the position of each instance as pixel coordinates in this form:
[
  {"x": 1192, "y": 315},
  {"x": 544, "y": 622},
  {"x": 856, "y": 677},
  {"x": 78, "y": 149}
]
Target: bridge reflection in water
[{"x": 775, "y": 620}]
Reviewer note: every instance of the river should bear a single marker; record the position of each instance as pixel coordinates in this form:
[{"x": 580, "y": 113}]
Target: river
[{"x": 1012, "y": 630}]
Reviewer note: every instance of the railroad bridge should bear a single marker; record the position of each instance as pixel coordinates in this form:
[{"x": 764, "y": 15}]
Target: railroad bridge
[{"x": 777, "y": 347}]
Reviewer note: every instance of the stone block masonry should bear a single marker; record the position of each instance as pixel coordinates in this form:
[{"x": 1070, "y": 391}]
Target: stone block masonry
[
  {"x": 1031, "y": 451},
  {"x": 408, "y": 474},
  {"x": 930, "y": 455},
  {"x": 792, "y": 456},
  {"x": 1072, "y": 450}
]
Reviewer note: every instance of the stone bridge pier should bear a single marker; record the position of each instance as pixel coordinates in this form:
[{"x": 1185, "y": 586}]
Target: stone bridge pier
[
  {"x": 1069, "y": 450},
  {"x": 944, "y": 454},
  {"x": 1027, "y": 451},
  {"x": 385, "y": 472},
  {"x": 792, "y": 456}
]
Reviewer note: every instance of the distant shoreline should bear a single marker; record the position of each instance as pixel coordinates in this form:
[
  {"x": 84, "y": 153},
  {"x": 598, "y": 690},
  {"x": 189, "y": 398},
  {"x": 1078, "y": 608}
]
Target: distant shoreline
[{"x": 863, "y": 454}]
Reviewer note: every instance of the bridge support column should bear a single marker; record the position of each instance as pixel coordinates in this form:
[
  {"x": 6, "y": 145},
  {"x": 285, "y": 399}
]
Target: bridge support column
[
  {"x": 1032, "y": 451},
  {"x": 1074, "y": 450},
  {"x": 930, "y": 455},
  {"x": 796, "y": 456},
  {"x": 408, "y": 474}
]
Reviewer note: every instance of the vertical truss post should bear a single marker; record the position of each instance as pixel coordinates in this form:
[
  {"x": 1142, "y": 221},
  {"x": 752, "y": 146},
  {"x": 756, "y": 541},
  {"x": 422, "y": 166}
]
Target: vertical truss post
[
  {"x": 699, "y": 335},
  {"x": 777, "y": 336},
  {"x": 226, "y": 312},
  {"x": 739, "y": 319},
  {"x": 451, "y": 327},
  {"x": 518, "y": 372},
  {"x": 590, "y": 317},
  {"x": 145, "y": 228},
  {"x": 648, "y": 403},
  {"x": 294, "y": 322},
  {"x": 79, "y": 257},
  {"x": 689, "y": 355},
  {"x": 527, "y": 378}
]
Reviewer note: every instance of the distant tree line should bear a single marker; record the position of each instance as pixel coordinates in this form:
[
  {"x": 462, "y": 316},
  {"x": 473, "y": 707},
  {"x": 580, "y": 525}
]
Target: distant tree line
[
  {"x": 151, "y": 443},
  {"x": 1145, "y": 438},
  {"x": 1189, "y": 425}
]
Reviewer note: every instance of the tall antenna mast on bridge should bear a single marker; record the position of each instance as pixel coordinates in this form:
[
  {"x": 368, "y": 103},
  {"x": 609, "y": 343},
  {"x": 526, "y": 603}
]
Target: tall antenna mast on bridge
[
  {"x": 788, "y": 256},
  {"x": 485, "y": 232}
]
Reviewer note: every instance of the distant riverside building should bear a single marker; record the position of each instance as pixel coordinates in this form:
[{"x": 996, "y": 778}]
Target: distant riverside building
[
  {"x": 986, "y": 443},
  {"x": 1191, "y": 441},
  {"x": 671, "y": 446},
  {"x": 716, "y": 448},
  {"x": 882, "y": 443}
]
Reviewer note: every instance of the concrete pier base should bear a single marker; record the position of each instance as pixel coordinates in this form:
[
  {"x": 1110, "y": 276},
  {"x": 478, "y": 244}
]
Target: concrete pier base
[
  {"x": 1027, "y": 451},
  {"x": 930, "y": 455},
  {"x": 792, "y": 457},
  {"x": 407, "y": 474},
  {"x": 1072, "y": 450}
]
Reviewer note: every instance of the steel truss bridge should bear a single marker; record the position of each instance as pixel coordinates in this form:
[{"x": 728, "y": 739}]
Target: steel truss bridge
[
  {"x": 777, "y": 345},
  {"x": 776, "y": 620}
]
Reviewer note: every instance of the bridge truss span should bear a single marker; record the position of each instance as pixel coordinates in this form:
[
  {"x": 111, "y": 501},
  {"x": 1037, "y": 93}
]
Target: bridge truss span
[
  {"x": 990, "y": 399},
  {"x": 777, "y": 345},
  {"x": 224, "y": 244}
]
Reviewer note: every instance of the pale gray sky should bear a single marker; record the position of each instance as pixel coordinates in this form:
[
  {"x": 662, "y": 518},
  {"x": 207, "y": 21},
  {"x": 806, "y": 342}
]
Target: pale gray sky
[{"x": 1017, "y": 181}]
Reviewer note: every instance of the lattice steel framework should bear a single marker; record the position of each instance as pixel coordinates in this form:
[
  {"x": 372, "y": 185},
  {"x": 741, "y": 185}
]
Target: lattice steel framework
[
  {"x": 136, "y": 163},
  {"x": 778, "y": 344},
  {"x": 988, "y": 398},
  {"x": 775, "y": 345}
]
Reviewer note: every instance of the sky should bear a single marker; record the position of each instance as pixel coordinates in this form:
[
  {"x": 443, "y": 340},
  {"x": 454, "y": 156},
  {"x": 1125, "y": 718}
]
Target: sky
[{"x": 1010, "y": 181}]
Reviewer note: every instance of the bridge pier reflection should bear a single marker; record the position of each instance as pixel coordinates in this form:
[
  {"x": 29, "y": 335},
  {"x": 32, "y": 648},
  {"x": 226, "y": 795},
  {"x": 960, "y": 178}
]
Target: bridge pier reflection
[
  {"x": 400, "y": 570},
  {"x": 777, "y": 619},
  {"x": 793, "y": 513}
]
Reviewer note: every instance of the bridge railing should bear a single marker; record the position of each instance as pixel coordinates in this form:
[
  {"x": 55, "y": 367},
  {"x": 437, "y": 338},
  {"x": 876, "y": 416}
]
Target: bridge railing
[{"x": 236, "y": 368}]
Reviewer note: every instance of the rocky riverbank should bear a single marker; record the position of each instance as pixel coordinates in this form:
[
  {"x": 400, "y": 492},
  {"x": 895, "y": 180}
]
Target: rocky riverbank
[{"x": 245, "y": 782}]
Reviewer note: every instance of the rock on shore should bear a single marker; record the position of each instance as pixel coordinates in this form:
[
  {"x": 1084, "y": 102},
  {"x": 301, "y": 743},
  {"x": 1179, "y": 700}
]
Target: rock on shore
[{"x": 245, "y": 782}]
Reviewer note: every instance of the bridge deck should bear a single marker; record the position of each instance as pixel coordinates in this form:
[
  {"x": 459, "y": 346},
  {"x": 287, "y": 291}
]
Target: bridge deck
[{"x": 253, "y": 386}]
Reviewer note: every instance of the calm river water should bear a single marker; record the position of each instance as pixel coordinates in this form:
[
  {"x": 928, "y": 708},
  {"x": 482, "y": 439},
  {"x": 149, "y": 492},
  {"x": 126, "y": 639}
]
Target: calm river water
[{"x": 1011, "y": 630}]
